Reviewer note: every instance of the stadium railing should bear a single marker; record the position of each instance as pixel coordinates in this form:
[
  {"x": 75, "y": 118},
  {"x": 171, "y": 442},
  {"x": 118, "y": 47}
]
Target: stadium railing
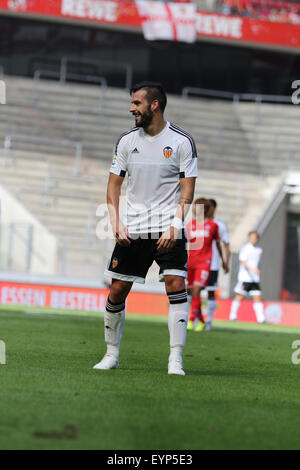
[
  {"x": 67, "y": 60},
  {"x": 16, "y": 237},
  {"x": 60, "y": 68},
  {"x": 44, "y": 140},
  {"x": 98, "y": 112},
  {"x": 96, "y": 252},
  {"x": 236, "y": 98},
  {"x": 97, "y": 79},
  {"x": 50, "y": 192},
  {"x": 30, "y": 106},
  {"x": 62, "y": 77}
]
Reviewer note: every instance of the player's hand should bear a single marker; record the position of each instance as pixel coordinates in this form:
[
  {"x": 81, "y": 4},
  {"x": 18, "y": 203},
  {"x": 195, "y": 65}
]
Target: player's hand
[
  {"x": 255, "y": 270},
  {"x": 225, "y": 267},
  {"x": 168, "y": 239},
  {"x": 121, "y": 234}
]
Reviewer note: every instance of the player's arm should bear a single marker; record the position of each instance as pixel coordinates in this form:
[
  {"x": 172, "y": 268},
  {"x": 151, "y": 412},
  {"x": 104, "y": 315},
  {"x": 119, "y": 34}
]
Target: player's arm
[
  {"x": 225, "y": 239},
  {"x": 116, "y": 177},
  {"x": 250, "y": 268},
  {"x": 168, "y": 238},
  {"x": 220, "y": 251},
  {"x": 113, "y": 196},
  {"x": 227, "y": 255},
  {"x": 217, "y": 239}
]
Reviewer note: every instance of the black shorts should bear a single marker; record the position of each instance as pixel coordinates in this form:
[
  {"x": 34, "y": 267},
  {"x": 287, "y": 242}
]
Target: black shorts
[
  {"x": 212, "y": 283},
  {"x": 133, "y": 262},
  {"x": 244, "y": 288}
]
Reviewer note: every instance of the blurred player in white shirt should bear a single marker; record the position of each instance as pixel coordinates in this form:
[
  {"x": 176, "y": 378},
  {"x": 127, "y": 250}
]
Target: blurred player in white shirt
[
  {"x": 249, "y": 278},
  {"x": 212, "y": 285}
]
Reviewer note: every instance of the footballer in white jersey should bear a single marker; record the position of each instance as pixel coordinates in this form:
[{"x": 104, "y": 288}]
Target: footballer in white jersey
[
  {"x": 160, "y": 160},
  {"x": 212, "y": 284},
  {"x": 249, "y": 278},
  {"x": 155, "y": 165}
]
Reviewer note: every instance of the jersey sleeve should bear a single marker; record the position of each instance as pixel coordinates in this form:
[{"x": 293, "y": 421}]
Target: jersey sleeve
[
  {"x": 188, "y": 159},
  {"x": 224, "y": 233},
  {"x": 119, "y": 161}
]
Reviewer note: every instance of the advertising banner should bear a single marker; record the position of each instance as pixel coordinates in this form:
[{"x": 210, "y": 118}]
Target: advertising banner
[
  {"x": 147, "y": 303},
  {"x": 159, "y": 20},
  {"x": 77, "y": 298}
]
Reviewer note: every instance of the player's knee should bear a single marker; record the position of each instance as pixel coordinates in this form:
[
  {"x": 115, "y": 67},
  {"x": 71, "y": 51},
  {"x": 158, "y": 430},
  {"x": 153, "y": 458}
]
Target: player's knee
[
  {"x": 211, "y": 295},
  {"x": 119, "y": 291},
  {"x": 174, "y": 283},
  {"x": 196, "y": 290}
]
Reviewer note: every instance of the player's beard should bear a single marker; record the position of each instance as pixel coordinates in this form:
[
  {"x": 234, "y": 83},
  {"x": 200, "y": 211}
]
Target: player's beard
[{"x": 146, "y": 118}]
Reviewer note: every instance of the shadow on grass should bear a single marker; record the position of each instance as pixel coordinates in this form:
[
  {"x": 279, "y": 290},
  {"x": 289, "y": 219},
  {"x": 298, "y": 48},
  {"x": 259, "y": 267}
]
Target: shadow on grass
[
  {"x": 189, "y": 372},
  {"x": 69, "y": 432}
]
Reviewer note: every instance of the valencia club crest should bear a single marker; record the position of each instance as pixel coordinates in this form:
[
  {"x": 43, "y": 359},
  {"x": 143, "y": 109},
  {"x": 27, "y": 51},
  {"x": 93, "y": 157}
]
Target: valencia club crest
[{"x": 168, "y": 152}]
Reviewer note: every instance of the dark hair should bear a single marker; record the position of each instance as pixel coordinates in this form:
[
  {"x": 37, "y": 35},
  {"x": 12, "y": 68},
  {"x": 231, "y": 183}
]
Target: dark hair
[
  {"x": 155, "y": 91},
  {"x": 206, "y": 203},
  {"x": 213, "y": 202}
]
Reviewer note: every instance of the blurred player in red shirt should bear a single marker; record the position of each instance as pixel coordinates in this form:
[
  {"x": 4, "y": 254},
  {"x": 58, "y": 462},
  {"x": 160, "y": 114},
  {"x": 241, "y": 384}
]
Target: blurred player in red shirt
[{"x": 201, "y": 232}]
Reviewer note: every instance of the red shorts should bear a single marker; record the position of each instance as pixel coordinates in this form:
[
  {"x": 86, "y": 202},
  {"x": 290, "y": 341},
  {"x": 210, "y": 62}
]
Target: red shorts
[{"x": 198, "y": 276}]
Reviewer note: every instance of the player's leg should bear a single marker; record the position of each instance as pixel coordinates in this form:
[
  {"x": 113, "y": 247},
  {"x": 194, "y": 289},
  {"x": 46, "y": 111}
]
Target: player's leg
[
  {"x": 196, "y": 307},
  {"x": 190, "y": 324},
  {"x": 200, "y": 281},
  {"x": 240, "y": 294},
  {"x": 114, "y": 318},
  {"x": 236, "y": 302},
  {"x": 127, "y": 265},
  {"x": 211, "y": 306},
  {"x": 258, "y": 307},
  {"x": 212, "y": 286},
  {"x": 177, "y": 321},
  {"x": 190, "y": 282},
  {"x": 173, "y": 267},
  {"x": 235, "y": 307}
]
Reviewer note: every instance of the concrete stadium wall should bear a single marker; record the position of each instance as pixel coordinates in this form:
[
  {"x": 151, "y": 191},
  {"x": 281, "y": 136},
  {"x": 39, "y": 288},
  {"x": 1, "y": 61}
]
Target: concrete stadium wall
[
  {"x": 43, "y": 258},
  {"x": 273, "y": 244}
]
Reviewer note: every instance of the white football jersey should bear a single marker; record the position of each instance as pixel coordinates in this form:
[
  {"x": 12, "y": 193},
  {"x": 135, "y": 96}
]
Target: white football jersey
[
  {"x": 251, "y": 254},
  {"x": 225, "y": 238},
  {"x": 154, "y": 165}
]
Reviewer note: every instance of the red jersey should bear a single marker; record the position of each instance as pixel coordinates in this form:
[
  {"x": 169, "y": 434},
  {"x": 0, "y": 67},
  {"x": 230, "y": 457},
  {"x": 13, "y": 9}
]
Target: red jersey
[{"x": 201, "y": 237}]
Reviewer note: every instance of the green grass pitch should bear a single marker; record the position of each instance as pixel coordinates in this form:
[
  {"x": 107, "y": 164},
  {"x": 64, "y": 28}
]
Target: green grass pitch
[{"x": 241, "y": 390}]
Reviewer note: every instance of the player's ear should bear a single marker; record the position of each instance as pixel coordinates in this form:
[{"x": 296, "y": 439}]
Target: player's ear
[{"x": 154, "y": 105}]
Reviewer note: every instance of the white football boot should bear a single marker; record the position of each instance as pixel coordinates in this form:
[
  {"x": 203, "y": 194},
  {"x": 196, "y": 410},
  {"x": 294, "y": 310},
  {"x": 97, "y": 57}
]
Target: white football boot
[
  {"x": 175, "y": 366},
  {"x": 108, "y": 362}
]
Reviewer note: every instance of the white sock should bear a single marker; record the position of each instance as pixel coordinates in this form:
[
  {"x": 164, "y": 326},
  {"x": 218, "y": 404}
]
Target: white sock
[
  {"x": 177, "y": 323},
  {"x": 114, "y": 319},
  {"x": 211, "y": 307},
  {"x": 234, "y": 309},
  {"x": 259, "y": 311}
]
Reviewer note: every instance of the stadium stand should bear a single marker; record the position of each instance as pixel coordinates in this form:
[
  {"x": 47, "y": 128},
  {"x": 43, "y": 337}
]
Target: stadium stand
[
  {"x": 242, "y": 147},
  {"x": 268, "y": 10}
]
